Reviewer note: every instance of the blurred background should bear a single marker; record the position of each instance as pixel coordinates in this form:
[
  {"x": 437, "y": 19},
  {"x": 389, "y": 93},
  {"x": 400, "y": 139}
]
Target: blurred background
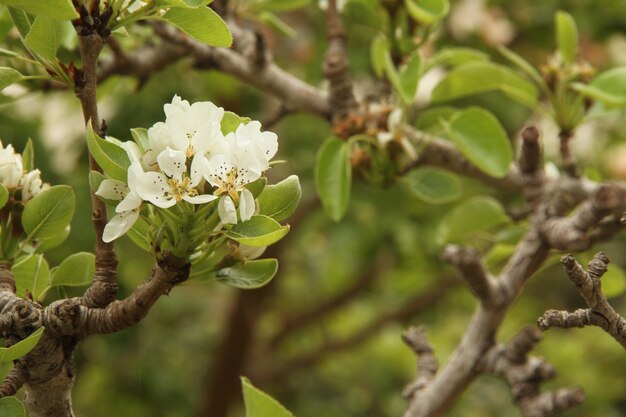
[{"x": 324, "y": 336}]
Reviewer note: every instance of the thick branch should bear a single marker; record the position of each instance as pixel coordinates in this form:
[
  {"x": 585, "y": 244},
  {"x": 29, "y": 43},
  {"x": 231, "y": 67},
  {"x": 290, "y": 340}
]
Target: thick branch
[
  {"x": 104, "y": 285},
  {"x": 600, "y": 313},
  {"x": 12, "y": 382},
  {"x": 473, "y": 272},
  {"x": 294, "y": 93}
]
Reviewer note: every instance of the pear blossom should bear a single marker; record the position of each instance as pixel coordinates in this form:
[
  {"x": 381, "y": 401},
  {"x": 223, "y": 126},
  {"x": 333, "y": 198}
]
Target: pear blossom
[
  {"x": 166, "y": 188},
  {"x": 395, "y": 132},
  {"x": 229, "y": 176},
  {"x": 253, "y": 147},
  {"x": 11, "y": 167},
  {"x": 32, "y": 184},
  {"x": 192, "y": 128},
  {"x": 130, "y": 202}
]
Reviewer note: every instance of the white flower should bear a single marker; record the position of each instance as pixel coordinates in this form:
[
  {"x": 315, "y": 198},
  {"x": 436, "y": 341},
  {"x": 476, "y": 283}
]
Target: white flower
[
  {"x": 194, "y": 129},
  {"x": 230, "y": 178},
  {"x": 32, "y": 185},
  {"x": 252, "y": 147},
  {"x": 11, "y": 167},
  {"x": 394, "y": 122},
  {"x": 130, "y": 202},
  {"x": 164, "y": 189}
]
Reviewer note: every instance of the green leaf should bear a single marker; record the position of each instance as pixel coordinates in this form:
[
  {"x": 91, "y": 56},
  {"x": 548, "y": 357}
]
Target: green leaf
[
  {"x": 111, "y": 157},
  {"x": 258, "y": 231},
  {"x": 32, "y": 274},
  {"x": 427, "y": 11},
  {"x": 4, "y": 195},
  {"x": 21, "y": 21},
  {"x": 453, "y": 57},
  {"x": 432, "y": 120},
  {"x": 406, "y": 80},
  {"x": 8, "y": 76},
  {"x": 378, "y": 50},
  {"x": 276, "y": 23},
  {"x": 279, "y": 201},
  {"x": 20, "y": 349},
  {"x": 477, "y": 214},
  {"x": 76, "y": 270},
  {"x": 257, "y": 186},
  {"x": 522, "y": 64},
  {"x": 482, "y": 139},
  {"x": 8, "y": 54},
  {"x": 279, "y": 5},
  {"x": 188, "y": 3},
  {"x": 139, "y": 234},
  {"x": 12, "y": 407},
  {"x": 614, "y": 281},
  {"x": 48, "y": 213},
  {"x": 366, "y": 13},
  {"x": 248, "y": 275},
  {"x": 480, "y": 77},
  {"x": 608, "y": 87},
  {"x": 202, "y": 24},
  {"x": 56, "y": 9},
  {"x": 140, "y": 136},
  {"x": 333, "y": 177},
  {"x": 259, "y": 404},
  {"x": 433, "y": 185},
  {"x": 28, "y": 156},
  {"x": 45, "y": 37},
  {"x": 566, "y": 36},
  {"x": 231, "y": 121},
  {"x": 45, "y": 245}
]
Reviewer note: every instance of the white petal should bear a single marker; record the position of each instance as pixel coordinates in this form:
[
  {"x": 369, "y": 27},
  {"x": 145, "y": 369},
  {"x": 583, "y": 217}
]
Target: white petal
[
  {"x": 198, "y": 166},
  {"x": 131, "y": 202},
  {"x": 134, "y": 171},
  {"x": 202, "y": 112},
  {"x": 269, "y": 144},
  {"x": 177, "y": 108},
  {"x": 227, "y": 211},
  {"x": 204, "y": 138},
  {"x": 159, "y": 137},
  {"x": 246, "y": 205},
  {"x": 178, "y": 134},
  {"x": 394, "y": 120},
  {"x": 132, "y": 149},
  {"x": 200, "y": 199},
  {"x": 119, "y": 225},
  {"x": 217, "y": 169},
  {"x": 112, "y": 190},
  {"x": 173, "y": 163},
  {"x": 153, "y": 187}
]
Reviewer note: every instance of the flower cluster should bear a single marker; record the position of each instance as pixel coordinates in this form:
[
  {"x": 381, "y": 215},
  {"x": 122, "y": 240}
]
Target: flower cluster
[
  {"x": 189, "y": 159},
  {"x": 14, "y": 176}
]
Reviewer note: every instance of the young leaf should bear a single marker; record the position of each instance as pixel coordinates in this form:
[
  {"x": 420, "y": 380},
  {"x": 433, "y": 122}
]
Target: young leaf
[
  {"x": 75, "y": 270},
  {"x": 248, "y": 275},
  {"x": 427, "y": 12},
  {"x": 202, "y": 24},
  {"x": 482, "y": 139},
  {"x": 279, "y": 201},
  {"x": 257, "y": 186},
  {"x": 8, "y": 76},
  {"x": 404, "y": 81},
  {"x": 139, "y": 234},
  {"x": 276, "y": 23},
  {"x": 259, "y": 404},
  {"x": 32, "y": 274},
  {"x": 333, "y": 177},
  {"x": 28, "y": 156},
  {"x": 12, "y": 407},
  {"x": 52, "y": 242},
  {"x": 48, "y": 213},
  {"x": 522, "y": 64},
  {"x": 477, "y": 214},
  {"x": 453, "y": 57},
  {"x": 20, "y": 349},
  {"x": 56, "y": 9},
  {"x": 378, "y": 50},
  {"x": 566, "y": 36},
  {"x": 21, "y": 21},
  {"x": 231, "y": 121},
  {"x": 608, "y": 87},
  {"x": 258, "y": 231},
  {"x": 432, "y": 120},
  {"x": 480, "y": 77},
  {"x": 45, "y": 37},
  {"x": 279, "y": 5},
  {"x": 4, "y": 195},
  {"x": 188, "y": 3},
  {"x": 111, "y": 157},
  {"x": 140, "y": 136},
  {"x": 433, "y": 185}
]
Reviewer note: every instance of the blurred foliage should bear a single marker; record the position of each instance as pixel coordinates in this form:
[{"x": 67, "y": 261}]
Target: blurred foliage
[{"x": 161, "y": 367}]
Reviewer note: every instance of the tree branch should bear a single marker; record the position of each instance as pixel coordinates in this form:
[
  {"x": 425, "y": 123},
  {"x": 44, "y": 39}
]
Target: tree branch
[
  {"x": 600, "y": 313},
  {"x": 427, "y": 364}
]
